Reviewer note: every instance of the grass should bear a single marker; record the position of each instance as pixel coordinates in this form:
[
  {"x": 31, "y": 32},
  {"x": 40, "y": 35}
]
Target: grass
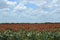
[{"x": 29, "y": 35}]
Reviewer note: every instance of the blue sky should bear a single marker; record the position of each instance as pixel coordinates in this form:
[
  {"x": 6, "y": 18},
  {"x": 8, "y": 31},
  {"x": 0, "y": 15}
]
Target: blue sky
[{"x": 29, "y": 11}]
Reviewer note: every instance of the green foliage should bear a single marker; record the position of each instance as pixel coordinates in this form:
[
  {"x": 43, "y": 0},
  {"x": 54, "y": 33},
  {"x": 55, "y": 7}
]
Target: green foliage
[{"x": 29, "y": 35}]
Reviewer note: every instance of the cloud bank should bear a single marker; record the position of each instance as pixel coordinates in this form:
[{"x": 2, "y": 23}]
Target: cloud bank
[{"x": 29, "y": 11}]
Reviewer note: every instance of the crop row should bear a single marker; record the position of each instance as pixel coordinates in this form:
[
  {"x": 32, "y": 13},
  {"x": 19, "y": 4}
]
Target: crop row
[{"x": 29, "y": 35}]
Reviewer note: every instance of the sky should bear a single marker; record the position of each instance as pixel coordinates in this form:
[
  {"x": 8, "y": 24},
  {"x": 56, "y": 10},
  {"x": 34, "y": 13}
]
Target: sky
[{"x": 29, "y": 11}]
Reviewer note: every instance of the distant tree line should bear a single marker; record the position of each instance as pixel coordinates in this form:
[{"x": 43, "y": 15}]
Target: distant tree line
[{"x": 34, "y": 23}]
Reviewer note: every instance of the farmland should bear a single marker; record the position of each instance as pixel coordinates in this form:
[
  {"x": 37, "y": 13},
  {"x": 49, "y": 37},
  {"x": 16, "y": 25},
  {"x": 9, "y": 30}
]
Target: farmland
[
  {"x": 37, "y": 27},
  {"x": 50, "y": 31}
]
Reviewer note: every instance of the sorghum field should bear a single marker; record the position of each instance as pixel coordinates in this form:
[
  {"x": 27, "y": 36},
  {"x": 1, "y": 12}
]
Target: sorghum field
[{"x": 49, "y": 31}]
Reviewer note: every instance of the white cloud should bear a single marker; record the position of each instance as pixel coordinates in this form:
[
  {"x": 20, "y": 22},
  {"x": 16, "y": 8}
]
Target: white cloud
[
  {"x": 20, "y": 7},
  {"x": 11, "y": 3},
  {"x": 3, "y": 4},
  {"x": 4, "y": 9}
]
